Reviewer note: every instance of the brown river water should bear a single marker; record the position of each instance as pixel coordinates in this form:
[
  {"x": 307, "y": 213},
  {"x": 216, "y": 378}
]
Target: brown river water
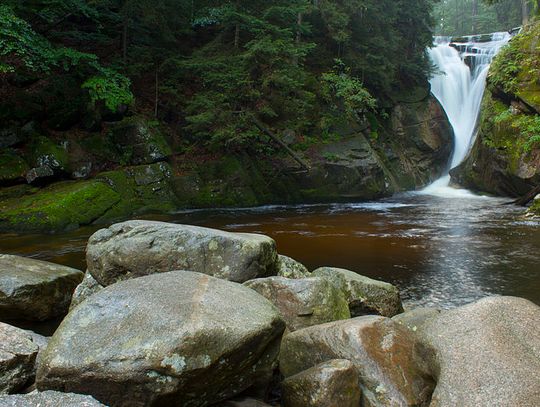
[{"x": 438, "y": 251}]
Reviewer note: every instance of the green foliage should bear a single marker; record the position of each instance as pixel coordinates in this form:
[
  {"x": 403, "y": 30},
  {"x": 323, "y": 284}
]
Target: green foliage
[
  {"x": 342, "y": 89},
  {"x": 465, "y": 17},
  {"x": 111, "y": 88},
  {"x": 213, "y": 67}
]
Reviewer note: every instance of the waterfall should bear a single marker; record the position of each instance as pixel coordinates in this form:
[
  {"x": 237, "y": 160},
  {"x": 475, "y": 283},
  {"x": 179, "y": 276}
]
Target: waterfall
[{"x": 459, "y": 85}]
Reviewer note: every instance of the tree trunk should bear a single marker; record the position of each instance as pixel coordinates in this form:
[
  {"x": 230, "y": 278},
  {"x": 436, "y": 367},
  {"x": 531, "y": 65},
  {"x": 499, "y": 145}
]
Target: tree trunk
[
  {"x": 524, "y": 12},
  {"x": 124, "y": 39},
  {"x": 474, "y": 17},
  {"x": 157, "y": 94},
  {"x": 237, "y": 36},
  {"x": 270, "y": 134}
]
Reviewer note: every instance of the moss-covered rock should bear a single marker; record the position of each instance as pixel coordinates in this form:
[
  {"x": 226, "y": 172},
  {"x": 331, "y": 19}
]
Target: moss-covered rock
[
  {"x": 304, "y": 302},
  {"x": 12, "y": 167},
  {"x": 42, "y": 151},
  {"x": 139, "y": 142},
  {"x": 145, "y": 188},
  {"x": 58, "y": 207},
  {"x": 505, "y": 158}
]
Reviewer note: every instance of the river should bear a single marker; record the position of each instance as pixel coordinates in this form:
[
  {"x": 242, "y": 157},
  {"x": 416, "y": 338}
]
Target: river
[
  {"x": 439, "y": 251},
  {"x": 442, "y": 247}
]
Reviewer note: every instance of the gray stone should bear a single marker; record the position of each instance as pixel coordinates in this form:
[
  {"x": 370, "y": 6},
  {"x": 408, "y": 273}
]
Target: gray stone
[
  {"x": 33, "y": 289},
  {"x": 243, "y": 402},
  {"x": 17, "y": 358},
  {"x": 174, "y": 339},
  {"x": 387, "y": 356},
  {"x": 290, "y": 268},
  {"x": 416, "y": 318},
  {"x": 303, "y": 303},
  {"x": 88, "y": 287},
  {"x": 137, "y": 248},
  {"x": 39, "y": 174},
  {"x": 49, "y": 399},
  {"x": 487, "y": 353},
  {"x": 332, "y": 383},
  {"x": 140, "y": 143},
  {"x": 365, "y": 295}
]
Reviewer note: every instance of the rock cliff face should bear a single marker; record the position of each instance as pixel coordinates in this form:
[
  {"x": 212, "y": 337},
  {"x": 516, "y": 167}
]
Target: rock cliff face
[
  {"x": 505, "y": 158},
  {"x": 61, "y": 180}
]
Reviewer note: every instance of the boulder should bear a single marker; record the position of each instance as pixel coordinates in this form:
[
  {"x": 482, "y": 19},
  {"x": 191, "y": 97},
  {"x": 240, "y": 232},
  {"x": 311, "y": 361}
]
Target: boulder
[
  {"x": 61, "y": 206},
  {"x": 365, "y": 295},
  {"x": 39, "y": 175},
  {"x": 140, "y": 143},
  {"x": 49, "y": 399},
  {"x": 290, "y": 268},
  {"x": 88, "y": 287},
  {"x": 17, "y": 358},
  {"x": 487, "y": 353},
  {"x": 137, "y": 248},
  {"x": 35, "y": 290},
  {"x": 332, "y": 383},
  {"x": 416, "y": 318},
  {"x": 387, "y": 356},
  {"x": 174, "y": 339},
  {"x": 303, "y": 303},
  {"x": 12, "y": 167}
]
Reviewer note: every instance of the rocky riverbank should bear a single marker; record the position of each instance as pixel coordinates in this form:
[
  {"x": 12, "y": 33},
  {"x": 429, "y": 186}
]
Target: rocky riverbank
[
  {"x": 53, "y": 180},
  {"x": 176, "y": 315}
]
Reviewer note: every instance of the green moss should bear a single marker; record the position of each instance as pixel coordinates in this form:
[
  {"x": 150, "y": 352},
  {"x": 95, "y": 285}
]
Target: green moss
[
  {"x": 516, "y": 70},
  {"x": 43, "y": 151},
  {"x": 534, "y": 209},
  {"x": 58, "y": 207},
  {"x": 144, "y": 188},
  {"x": 12, "y": 166}
]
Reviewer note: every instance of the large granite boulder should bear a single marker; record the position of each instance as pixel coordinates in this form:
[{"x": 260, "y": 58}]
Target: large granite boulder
[
  {"x": 88, "y": 287},
  {"x": 138, "y": 248},
  {"x": 49, "y": 399},
  {"x": 305, "y": 302},
  {"x": 416, "y": 318},
  {"x": 174, "y": 339},
  {"x": 290, "y": 268},
  {"x": 17, "y": 358},
  {"x": 487, "y": 353},
  {"x": 387, "y": 356},
  {"x": 35, "y": 290},
  {"x": 365, "y": 295},
  {"x": 332, "y": 383}
]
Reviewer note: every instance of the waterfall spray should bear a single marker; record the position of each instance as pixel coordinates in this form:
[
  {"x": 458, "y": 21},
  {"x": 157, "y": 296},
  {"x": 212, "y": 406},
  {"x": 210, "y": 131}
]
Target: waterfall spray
[{"x": 459, "y": 86}]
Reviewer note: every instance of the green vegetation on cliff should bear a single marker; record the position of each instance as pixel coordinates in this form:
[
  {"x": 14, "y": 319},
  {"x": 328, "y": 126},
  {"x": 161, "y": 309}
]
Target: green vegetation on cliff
[{"x": 505, "y": 157}]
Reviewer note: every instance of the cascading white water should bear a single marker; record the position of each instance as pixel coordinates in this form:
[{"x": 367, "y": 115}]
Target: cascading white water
[{"x": 459, "y": 86}]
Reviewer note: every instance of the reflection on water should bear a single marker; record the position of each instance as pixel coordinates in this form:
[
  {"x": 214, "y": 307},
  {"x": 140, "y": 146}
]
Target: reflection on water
[{"x": 439, "y": 251}]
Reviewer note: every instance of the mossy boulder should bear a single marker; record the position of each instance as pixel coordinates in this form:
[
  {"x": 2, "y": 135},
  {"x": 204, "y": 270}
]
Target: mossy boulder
[
  {"x": 12, "y": 167},
  {"x": 146, "y": 188},
  {"x": 43, "y": 151},
  {"x": 332, "y": 383},
  {"x": 290, "y": 268},
  {"x": 139, "y": 142},
  {"x": 58, "y": 207},
  {"x": 303, "y": 303},
  {"x": 364, "y": 295}
]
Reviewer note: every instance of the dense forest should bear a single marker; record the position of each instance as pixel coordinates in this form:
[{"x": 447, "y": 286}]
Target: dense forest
[
  {"x": 465, "y": 17},
  {"x": 214, "y": 68}
]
